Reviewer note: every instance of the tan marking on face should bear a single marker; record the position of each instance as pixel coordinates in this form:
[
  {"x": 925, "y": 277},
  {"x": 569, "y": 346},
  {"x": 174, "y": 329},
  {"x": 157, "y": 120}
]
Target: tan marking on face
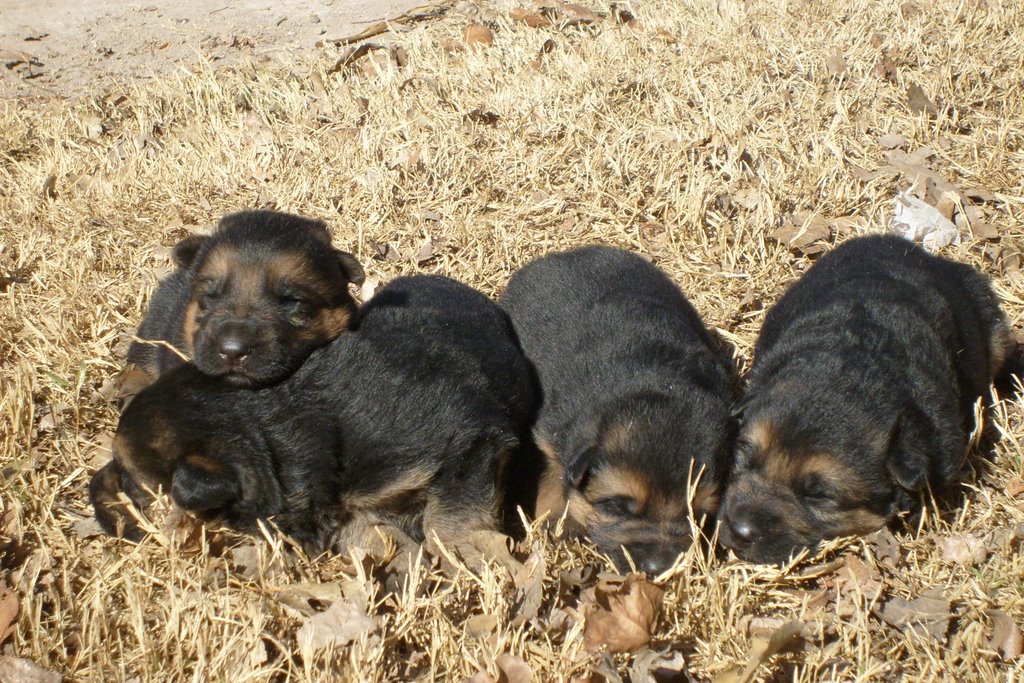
[
  {"x": 333, "y": 321},
  {"x": 706, "y": 499},
  {"x": 219, "y": 263},
  {"x": 612, "y": 482},
  {"x": 190, "y": 327},
  {"x": 618, "y": 437},
  {"x": 293, "y": 266}
]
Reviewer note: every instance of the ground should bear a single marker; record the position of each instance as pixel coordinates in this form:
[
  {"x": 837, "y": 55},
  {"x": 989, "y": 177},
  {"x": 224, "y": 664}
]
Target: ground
[
  {"x": 730, "y": 142},
  {"x": 90, "y": 47}
]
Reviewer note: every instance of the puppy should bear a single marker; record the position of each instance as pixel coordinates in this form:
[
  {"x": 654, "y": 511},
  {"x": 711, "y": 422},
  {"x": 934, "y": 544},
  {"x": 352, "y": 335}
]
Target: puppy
[
  {"x": 407, "y": 421},
  {"x": 249, "y": 302},
  {"x": 635, "y": 422},
  {"x": 861, "y": 395}
]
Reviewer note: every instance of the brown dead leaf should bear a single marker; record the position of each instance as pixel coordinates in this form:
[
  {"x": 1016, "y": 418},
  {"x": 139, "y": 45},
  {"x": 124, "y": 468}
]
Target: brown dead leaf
[
  {"x": 1015, "y": 487},
  {"x": 930, "y": 611},
  {"x": 478, "y": 34},
  {"x": 529, "y": 582},
  {"x": 407, "y": 159},
  {"x": 892, "y": 141},
  {"x": 481, "y": 625},
  {"x": 964, "y": 549},
  {"x": 885, "y": 547},
  {"x": 512, "y": 669},
  {"x": 87, "y": 527},
  {"x": 666, "y": 36},
  {"x": 622, "y": 614},
  {"x": 803, "y": 233},
  {"x": 836, "y": 64},
  {"x": 762, "y": 650},
  {"x": 340, "y": 624},
  {"x": 1006, "y": 635},
  {"x": 93, "y": 126},
  {"x": 650, "y": 667},
  {"x": 9, "y": 609},
  {"x": 531, "y": 19},
  {"x": 306, "y": 598},
  {"x": 19, "y": 670},
  {"x": 919, "y": 101},
  {"x": 886, "y": 68}
]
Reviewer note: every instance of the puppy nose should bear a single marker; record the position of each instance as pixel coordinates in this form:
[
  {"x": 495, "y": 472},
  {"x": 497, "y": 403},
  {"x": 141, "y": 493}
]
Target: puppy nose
[
  {"x": 233, "y": 349},
  {"x": 742, "y": 525}
]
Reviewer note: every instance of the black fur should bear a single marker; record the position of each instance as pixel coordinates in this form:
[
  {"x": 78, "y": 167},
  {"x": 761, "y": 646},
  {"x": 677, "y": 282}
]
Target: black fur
[
  {"x": 631, "y": 382},
  {"x": 407, "y": 420},
  {"x": 861, "y": 395}
]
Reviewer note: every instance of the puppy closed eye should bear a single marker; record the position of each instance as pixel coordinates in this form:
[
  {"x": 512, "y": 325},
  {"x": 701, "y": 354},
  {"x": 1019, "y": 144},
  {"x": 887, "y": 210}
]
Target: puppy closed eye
[
  {"x": 618, "y": 506},
  {"x": 817, "y": 491},
  {"x": 207, "y": 292}
]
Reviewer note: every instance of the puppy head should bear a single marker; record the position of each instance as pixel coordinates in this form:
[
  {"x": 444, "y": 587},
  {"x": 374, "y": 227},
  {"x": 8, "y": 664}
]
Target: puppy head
[
  {"x": 632, "y": 489},
  {"x": 268, "y": 289},
  {"x": 805, "y": 474},
  {"x": 186, "y": 434}
]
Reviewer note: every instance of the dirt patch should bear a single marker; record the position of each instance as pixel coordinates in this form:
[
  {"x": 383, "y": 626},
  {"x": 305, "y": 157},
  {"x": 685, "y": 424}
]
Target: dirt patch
[{"x": 83, "y": 48}]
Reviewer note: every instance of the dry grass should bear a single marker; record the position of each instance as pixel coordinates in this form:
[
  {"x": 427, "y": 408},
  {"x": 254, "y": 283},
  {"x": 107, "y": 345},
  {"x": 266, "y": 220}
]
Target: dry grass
[{"x": 691, "y": 144}]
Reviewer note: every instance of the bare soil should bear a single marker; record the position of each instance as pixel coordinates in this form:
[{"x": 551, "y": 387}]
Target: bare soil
[{"x": 87, "y": 47}]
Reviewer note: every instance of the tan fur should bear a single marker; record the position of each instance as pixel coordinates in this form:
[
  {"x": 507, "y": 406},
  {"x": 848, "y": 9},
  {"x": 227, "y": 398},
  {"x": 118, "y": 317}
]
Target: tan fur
[
  {"x": 409, "y": 484},
  {"x": 190, "y": 326},
  {"x": 551, "y": 489},
  {"x": 1000, "y": 346}
]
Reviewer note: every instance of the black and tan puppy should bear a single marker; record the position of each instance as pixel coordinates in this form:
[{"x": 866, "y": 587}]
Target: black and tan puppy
[
  {"x": 250, "y": 301},
  {"x": 861, "y": 395},
  {"x": 407, "y": 420},
  {"x": 635, "y": 421}
]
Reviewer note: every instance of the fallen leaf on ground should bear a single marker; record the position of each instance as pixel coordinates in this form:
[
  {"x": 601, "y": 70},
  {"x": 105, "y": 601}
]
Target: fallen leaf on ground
[
  {"x": 531, "y": 19},
  {"x": 513, "y": 669},
  {"x": 761, "y": 651},
  {"x": 622, "y": 615},
  {"x": 306, "y": 597},
  {"x": 87, "y": 527},
  {"x": 1015, "y": 487},
  {"x": 652, "y": 667},
  {"x": 892, "y": 141},
  {"x": 919, "y": 102},
  {"x": 930, "y": 611},
  {"x": 529, "y": 582},
  {"x": 885, "y": 547},
  {"x": 478, "y": 34},
  {"x": 8, "y": 613},
  {"x": 340, "y": 624},
  {"x": 1006, "y": 636},
  {"x": 481, "y": 625},
  {"x": 965, "y": 549},
  {"x": 18, "y": 670},
  {"x": 836, "y": 64},
  {"x": 803, "y": 233}
]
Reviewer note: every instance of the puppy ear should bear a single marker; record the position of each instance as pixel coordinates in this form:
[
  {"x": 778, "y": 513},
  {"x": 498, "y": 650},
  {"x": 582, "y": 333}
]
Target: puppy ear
[
  {"x": 350, "y": 267},
  {"x": 909, "y": 447},
  {"x": 202, "y": 484},
  {"x": 578, "y": 470},
  {"x": 184, "y": 252}
]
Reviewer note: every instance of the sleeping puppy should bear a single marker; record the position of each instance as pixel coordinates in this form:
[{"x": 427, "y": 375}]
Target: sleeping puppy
[
  {"x": 635, "y": 422},
  {"x": 861, "y": 395},
  {"x": 249, "y": 302},
  {"x": 407, "y": 421}
]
